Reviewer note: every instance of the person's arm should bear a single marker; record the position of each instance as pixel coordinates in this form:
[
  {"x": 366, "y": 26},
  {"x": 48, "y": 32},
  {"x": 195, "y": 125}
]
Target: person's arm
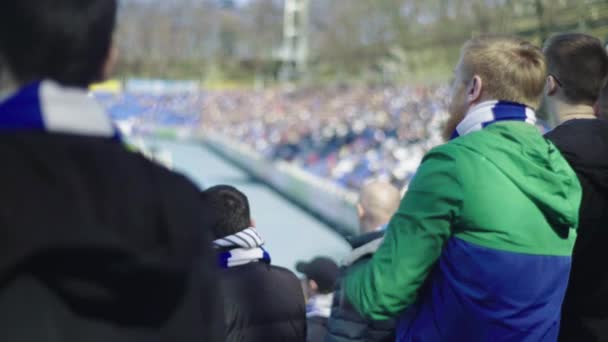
[{"x": 389, "y": 283}]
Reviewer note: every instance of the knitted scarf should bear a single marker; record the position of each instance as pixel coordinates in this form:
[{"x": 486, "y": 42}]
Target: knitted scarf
[
  {"x": 490, "y": 112},
  {"x": 319, "y": 305},
  {"x": 241, "y": 248},
  {"x": 48, "y": 107}
]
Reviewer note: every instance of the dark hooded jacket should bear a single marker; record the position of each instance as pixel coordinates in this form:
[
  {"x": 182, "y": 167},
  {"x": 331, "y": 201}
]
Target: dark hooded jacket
[
  {"x": 584, "y": 143},
  {"x": 263, "y": 303},
  {"x": 345, "y": 323},
  {"x": 98, "y": 243}
]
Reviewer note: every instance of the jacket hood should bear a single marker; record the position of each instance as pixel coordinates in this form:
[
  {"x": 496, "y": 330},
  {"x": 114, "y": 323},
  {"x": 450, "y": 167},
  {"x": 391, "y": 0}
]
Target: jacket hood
[{"x": 535, "y": 166}]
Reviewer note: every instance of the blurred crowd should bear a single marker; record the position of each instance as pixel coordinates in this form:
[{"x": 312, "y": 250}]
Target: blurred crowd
[
  {"x": 153, "y": 109},
  {"x": 500, "y": 236},
  {"x": 344, "y": 133}
]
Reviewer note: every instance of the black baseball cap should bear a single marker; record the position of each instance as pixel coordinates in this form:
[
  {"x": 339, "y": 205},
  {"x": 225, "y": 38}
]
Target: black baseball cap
[{"x": 324, "y": 271}]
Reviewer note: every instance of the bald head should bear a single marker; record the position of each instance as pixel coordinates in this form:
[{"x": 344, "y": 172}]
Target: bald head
[{"x": 378, "y": 201}]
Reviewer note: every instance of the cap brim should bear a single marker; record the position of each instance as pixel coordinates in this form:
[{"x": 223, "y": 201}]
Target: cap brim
[{"x": 302, "y": 267}]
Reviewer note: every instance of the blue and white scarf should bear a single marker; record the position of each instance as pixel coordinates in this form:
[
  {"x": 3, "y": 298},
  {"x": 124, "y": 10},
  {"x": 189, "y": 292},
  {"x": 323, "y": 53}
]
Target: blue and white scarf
[
  {"x": 48, "y": 107},
  {"x": 243, "y": 247},
  {"x": 319, "y": 305},
  {"x": 490, "y": 112}
]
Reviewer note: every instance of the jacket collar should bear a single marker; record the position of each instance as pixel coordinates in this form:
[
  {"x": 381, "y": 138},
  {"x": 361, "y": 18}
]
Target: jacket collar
[
  {"x": 360, "y": 240},
  {"x": 363, "y": 251}
]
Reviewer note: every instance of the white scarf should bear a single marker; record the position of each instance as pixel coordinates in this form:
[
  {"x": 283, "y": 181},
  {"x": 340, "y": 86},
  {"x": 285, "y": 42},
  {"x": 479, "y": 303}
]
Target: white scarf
[
  {"x": 320, "y": 305},
  {"x": 243, "y": 247}
]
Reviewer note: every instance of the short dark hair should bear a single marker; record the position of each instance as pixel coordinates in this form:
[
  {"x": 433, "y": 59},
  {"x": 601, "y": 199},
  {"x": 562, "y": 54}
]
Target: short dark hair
[
  {"x": 229, "y": 210},
  {"x": 67, "y": 41},
  {"x": 580, "y": 63}
]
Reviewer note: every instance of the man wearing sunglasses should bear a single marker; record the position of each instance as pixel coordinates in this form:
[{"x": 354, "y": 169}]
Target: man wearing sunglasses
[{"x": 578, "y": 66}]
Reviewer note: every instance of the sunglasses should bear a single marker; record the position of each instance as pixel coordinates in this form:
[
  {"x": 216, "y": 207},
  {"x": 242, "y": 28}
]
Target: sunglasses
[{"x": 559, "y": 83}]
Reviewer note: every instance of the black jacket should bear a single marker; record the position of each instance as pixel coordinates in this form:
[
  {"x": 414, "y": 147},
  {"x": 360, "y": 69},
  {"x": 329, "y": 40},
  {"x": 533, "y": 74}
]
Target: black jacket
[
  {"x": 584, "y": 143},
  {"x": 99, "y": 244},
  {"x": 317, "y": 329},
  {"x": 345, "y": 323},
  {"x": 263, "y": 303}
]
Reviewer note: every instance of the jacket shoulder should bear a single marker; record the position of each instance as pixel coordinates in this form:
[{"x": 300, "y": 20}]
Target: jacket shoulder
[
  {"x": 260, "y": 273},
  {"x": 263, "y": 303}
]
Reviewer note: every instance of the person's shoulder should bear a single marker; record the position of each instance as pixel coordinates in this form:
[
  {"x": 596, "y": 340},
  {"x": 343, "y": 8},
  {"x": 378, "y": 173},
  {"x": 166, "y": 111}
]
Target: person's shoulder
[
  {"x": 156, "y": 174},
  {"x": 578, "y": 129},
  {"x": 257, "y": 275},
  {"x": 582, "y": 142},
  {"x": 447, "y": 153},
  {"x": 261, "y": 271},
  {"x": 283, "y": 274}
]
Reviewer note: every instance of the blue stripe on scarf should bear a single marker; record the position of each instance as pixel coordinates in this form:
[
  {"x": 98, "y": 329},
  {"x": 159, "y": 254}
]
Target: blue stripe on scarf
[
  {"x": 24, "y": 111},
  {"x": 224, "y": 258},
  {"x": 504, "y": 110}
]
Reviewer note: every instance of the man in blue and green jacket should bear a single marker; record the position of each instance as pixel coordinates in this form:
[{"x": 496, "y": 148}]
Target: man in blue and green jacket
[{"x": 480, "y": 248}]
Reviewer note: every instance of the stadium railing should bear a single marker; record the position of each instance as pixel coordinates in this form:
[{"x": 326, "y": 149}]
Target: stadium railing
[{"x": 321, "y": 197}]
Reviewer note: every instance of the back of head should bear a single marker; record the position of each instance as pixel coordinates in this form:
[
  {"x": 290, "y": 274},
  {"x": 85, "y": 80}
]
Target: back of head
[
  {"x": 378, "y": 201},
  {"x": 579, "y": 63},
  {"x": 228, "y": 209},
  {"x": 512, "y": 69},
  {"x": 64, "y": 40}
]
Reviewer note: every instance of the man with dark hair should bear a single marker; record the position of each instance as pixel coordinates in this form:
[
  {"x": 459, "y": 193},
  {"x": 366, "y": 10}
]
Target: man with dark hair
[
  {"x": 578, "y": 68},
  {"x": 68, "y": 41},
  {"x": 232, "y": 210},
  {"x": 480, "y": 248},
  {"x": 577, "y": 65},
  {"x": 261, "y": 302},
  {"x": 98, "y": 243}
]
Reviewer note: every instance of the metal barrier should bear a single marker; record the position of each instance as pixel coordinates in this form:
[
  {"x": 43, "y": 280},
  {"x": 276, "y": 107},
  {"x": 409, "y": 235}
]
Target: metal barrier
[{"x": 321, "y": 197}]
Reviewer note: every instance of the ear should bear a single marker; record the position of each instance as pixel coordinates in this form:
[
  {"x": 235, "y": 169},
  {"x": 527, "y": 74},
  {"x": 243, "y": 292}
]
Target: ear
[
  {"x": 475, "y": 90},
  {"x": 110, "y": 63},
  {"x": 596, "y": 108},
  {"x": 360, "y": 210},
  {"x": 551, "y": 86},
  {"x": 252, "y": 223},
  {"x": 313, "y": 285}
]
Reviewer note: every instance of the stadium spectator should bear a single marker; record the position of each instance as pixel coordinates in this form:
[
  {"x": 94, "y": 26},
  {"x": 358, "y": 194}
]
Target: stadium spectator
[
  {"x": 578, "y": 68},
  {"x": 481, "y": 245},
  {"x": 378, "y": 201},
  {"x": 321, "y": 274},
  {"x": 261, "y": 302},
  {"x": 99, "y": 244}
]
